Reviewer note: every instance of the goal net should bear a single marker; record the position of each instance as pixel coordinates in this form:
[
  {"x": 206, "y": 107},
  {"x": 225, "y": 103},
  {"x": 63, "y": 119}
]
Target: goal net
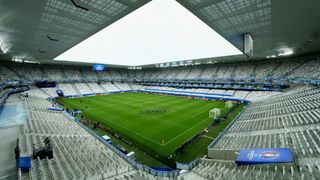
[{"x": 214, "y": 113}]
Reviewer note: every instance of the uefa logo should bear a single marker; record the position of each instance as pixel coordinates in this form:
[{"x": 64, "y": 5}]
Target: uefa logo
[{"x": 269, "y": 154}]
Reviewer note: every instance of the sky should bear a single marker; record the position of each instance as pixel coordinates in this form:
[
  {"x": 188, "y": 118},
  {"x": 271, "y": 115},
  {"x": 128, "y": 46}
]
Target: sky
[{"x": 160, "y": 31}]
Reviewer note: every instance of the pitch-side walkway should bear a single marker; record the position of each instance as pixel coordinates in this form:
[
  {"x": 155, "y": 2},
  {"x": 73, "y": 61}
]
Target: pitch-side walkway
[
  {"x": 12, "y": 113},
  {"x": 8, "y": 141}
]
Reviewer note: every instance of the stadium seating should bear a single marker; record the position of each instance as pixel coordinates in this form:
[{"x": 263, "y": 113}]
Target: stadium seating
[
  {"x": 272, "y": 120},
  {"x": 3, "y": 96},
  {"x": 68, "y": 89},
  {"x": 54, "y": 74},
  {"x": 244, "y": 71},
  {"x": 295, "y": 68},
  {"x": 75, "y": 89},
  {"x": 110, "y": 87},
  {"x": 308, "y": 70},
  {"x": 77, "y": 154},
  {"x": 38, "y": 92},
  {"x": 83, "y": 88},
  {"x": 96, "y": 88},
  {"x": 8, "y": 74},
  {"x": 123, "y": 86},
  {"x": 213, "y": 169},
  {"x": 290, "y": 119}
]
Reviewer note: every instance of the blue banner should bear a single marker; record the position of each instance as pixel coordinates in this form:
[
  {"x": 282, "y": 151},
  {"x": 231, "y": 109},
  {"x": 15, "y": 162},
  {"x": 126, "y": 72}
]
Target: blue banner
[
  {"x": 98, "y": 67},
  {"x": 264, "y": 156}
]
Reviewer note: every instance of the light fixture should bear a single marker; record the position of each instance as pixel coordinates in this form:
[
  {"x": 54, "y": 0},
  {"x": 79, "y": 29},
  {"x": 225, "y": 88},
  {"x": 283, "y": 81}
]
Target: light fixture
[
  {"x": 2, "y": 48},
  {"x": 28, "y": 61},
  {"x": 285, "y": 52},
  {"x": 272, "y": 56},
  {"x": 17, "y": 59}
]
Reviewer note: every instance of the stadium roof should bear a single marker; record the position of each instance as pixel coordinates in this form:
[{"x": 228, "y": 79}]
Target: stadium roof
[{"x": 41, "y": 30}]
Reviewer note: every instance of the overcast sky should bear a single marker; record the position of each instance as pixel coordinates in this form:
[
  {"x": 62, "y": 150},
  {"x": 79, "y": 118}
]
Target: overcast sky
[{"x": 160, "y": 31}]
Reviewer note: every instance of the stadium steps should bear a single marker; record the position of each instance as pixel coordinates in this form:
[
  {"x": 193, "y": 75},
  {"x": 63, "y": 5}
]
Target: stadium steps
[
  {"x": 121, "y": 74},
  {"x": 82, "y": 74},
  {"x": 57, "y": 86},
  {"x": 293, "y": 69},
  {"x": 43, "y": 73},
  {"x": 176, "y": 72},
  {"x": 156, "y": 75},
  {"x": 104, "y": 89},
  {"x": 133, "y": 75},
  {"x": 201, "y": 72},
  {"x": 274, "y": 69},
  {"x": 214, "y": 74},
  {"x": 75, "y": 89},
  {"x": 25, "y": 176},
  {"x": 190, "y": 176},
  {"x": 113, "y": 75},
  {"x": 120, "y": 89},
  {"x": 127, "y": 75},
  {"x": 15, "y": 72},
  {"x": 234, "y": 93},
  {"x": 168, "y": 72},
  {"x": 45, "y": 92},
  {"x": 107, "y": 76},
  {"x": 64, "y": 74},
  {"x": 130, "y": 85},
  {"x": 89, "y": 87},
  {"x": 254, "y": 71},
  {"x": 2, "y": 75},
  {"x": 245, "y": 97},
  {"x": 233, "y": 72},
  {"x": 188, "y": 73},
  {"x": 124, "y": 74},
  {"x": 99, "y": 77}
]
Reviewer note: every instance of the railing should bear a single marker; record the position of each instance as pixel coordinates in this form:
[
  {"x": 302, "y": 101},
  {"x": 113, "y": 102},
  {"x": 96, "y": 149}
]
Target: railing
[
  {"x": 187, "y": 166},
  {"x": 170, "y": 174},
  {"x": 5, "y": 94}
]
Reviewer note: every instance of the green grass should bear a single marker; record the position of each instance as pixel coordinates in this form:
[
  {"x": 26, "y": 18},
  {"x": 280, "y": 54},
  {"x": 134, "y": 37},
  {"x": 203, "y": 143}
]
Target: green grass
[
  {"x": 140, "y": 156},
  {"x": 156, "y": 133},
  {"x": 198, "y": 149}
]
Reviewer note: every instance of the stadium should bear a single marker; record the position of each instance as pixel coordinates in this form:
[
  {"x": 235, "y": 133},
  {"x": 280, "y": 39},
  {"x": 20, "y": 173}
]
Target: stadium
[{"x": 109, "y": 89}]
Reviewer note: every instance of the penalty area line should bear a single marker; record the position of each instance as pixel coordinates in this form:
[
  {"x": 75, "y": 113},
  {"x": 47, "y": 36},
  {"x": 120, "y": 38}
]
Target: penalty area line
[{"x": 185, "y": 131}]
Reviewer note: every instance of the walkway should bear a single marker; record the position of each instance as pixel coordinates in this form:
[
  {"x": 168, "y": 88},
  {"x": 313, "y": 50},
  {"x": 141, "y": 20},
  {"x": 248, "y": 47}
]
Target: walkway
[{"x": 12, "y": 113}]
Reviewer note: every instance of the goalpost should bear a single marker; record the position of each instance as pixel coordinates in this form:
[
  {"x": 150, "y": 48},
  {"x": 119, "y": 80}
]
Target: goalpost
[{"x": 214, "y": 113}]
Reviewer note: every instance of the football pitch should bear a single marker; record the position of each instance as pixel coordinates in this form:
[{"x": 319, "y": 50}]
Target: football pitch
[{"x": 158, "y": 123}]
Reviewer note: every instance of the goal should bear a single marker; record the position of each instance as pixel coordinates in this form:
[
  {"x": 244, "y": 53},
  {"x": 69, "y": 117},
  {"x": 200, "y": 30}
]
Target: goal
[{"x": 214, "y": 113}]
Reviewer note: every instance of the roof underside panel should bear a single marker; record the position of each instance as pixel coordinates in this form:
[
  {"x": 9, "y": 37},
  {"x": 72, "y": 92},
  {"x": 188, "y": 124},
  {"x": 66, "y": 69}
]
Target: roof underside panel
[
  {"x": 276, "y": 26},
  {"x": 44, "y": 29}
]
